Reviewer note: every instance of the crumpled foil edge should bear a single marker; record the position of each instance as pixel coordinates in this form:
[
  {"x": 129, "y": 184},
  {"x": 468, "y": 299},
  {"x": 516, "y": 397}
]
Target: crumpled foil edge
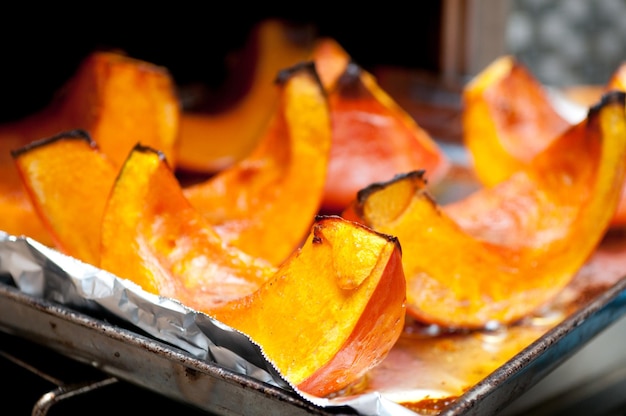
[{"x": 41, "y": 271}]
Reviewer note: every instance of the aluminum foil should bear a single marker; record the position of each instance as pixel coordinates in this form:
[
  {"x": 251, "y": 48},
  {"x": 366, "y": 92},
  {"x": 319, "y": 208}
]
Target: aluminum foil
[{"x": 40, "y": 271}]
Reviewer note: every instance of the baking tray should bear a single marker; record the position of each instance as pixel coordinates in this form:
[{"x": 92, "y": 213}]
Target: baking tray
[
  {"x": 511, "y": 380},
  {"x": 106, "y": 344},
  {"x": 120, "y": 349}
]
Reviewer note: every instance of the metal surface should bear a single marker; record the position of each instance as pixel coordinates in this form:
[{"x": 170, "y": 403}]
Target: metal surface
[
  {"x": 45, "y": 403},
  {"x": 531, "y": 365},
  {"x": 143, "y": 361},
  {"x": 173, "y": 373}
]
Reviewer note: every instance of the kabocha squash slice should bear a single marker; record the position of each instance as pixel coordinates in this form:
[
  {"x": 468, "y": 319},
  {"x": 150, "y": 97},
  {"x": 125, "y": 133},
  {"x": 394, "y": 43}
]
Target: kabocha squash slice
[
  {"x": 152, "y": 235},
  {"x": 17, "y": 214},
  {"x": 505, "y": 251},
  {"x": 373, "y": 139},
  {"x": 116, "y": 99},
  {"x": 212, "y": 141},
  {"x": 331, "y": 312},
  {"x": 68, "y": 180},
  {"x": 266, "y": 203},
  {"x": 507, "y": 119},
  {"x": 618, "y": 79},
  {"x": 618, "y": 82},
  {"x": 359, "y": 140},
  {"x": 330, "y": 60}
]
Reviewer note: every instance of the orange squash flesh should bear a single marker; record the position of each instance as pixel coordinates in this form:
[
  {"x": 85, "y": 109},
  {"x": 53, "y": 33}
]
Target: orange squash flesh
[
  {"x": 18, "y": 216},
  {"x": 554, "y": 215},
  {"x": 68, "y": 180},
  {"x": 153, "y": 236},
  {"x": 373, "y": 139},
  {"x": 618, "y": 79},
  {"x": 120, "y": 100},
  {"x": 265, "y": 204},
  {"x": 618, "y": 82},
  {"x": 359, "y": 138},
  {"x": 210, "y": 142},
  {"x": 507, "y": 119},
  {"x": 116, "y": 99},
  {"x": 330, "y": 60},
  {"x": 330, "y": 313}
]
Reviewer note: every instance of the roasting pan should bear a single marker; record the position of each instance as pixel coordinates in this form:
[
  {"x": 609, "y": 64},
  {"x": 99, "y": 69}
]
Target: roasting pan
[
  {"x": 142, "y": 360},
  {"x": 94, "y": 317},
  {"x": 41, "y": 301},
  {"x": 111, "y": 324}
]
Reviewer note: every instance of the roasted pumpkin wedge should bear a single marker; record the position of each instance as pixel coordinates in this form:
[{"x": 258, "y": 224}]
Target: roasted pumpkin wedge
[
  {"x": 507, "y": 119},
  {"x": 360, "y": 140},
  {"x": 330, "y": 60},
  {"x": 509, "y": 249},
  {"x": 373, "y": 139},
  {"x": 265, "y": 204},
  {"x": 618, "y": 79},
  {"x": 618, "y": 82},
  {"x": 331, "y": 312},
  {"x": 212, "y": 141},
  {"x": 152, "y": 235},
  {"x": 116, "y": 99},
  {"x": 17, "y": 214},
  {"x": 68, "y": 180}
]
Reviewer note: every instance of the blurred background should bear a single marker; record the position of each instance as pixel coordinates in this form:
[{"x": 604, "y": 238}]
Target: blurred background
[
  {"x": 571, "y": 42},
  {"x": 564, "y": 42}
]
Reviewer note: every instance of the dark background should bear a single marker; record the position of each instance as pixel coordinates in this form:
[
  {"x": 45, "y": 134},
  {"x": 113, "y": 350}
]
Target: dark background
[{"x": 41, "y": 49}]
